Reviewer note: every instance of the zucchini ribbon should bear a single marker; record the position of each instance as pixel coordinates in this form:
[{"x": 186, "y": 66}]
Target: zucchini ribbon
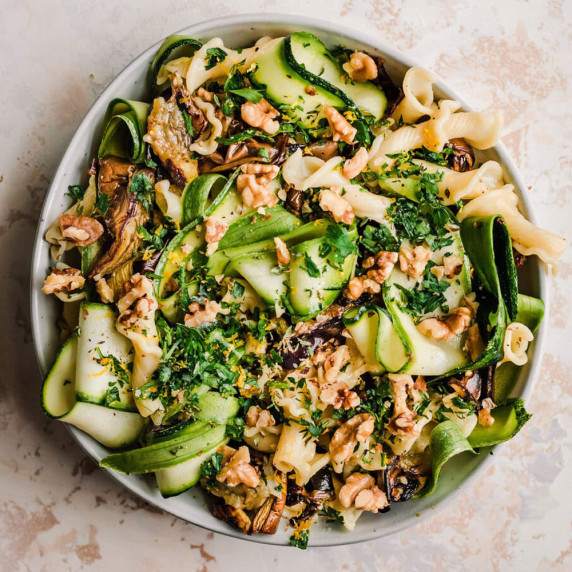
[{"x": 125, "y": 125}]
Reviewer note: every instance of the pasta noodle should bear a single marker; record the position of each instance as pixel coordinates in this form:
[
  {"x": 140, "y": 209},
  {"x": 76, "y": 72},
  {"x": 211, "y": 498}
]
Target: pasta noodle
[
  {"x": 418, "y": 98},
  {"x": 296, "y": 452},
  {"x": 480, "y": 129},
  {"x": 263, "y": 439},
  {"x": 516, "y": 340},
  {"x": 527, "y": 238},
  {"x": 456, "y": 186},
  {"x": 207, "y": 144}
]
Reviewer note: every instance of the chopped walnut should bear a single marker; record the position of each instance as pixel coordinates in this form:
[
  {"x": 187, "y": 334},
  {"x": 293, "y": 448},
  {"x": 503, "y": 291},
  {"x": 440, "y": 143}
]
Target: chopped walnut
[
  {"x": 202, "y": 313},
  {"x": 354, "y": 166},
  {"x": 452, "y": 265},
  {"x": 346, "y": 437},
  {"x": 205, "y": 95},
  {"x": 260, "y": 115},
  {"x": 141, "y": 310},
  {"x": 360, "y": 285},
  {"x": 413, "y": 261},
  {"x": 80, "y": 230},
  {"x": 238, "y": 470},
  {"x": 252, "y": 183},
  {"x": 339, "y": 396},
  {"x": 63, "y": 280},
  {"x": 485, "y": 418},
  {"x": 435, "y": 329},
  {"x": 361, "y": 67},
  {"x": 215, "y": 229},
  {"x": 379, "y": 268},
  {"x": 371, "y": 500},
  {"x": 342, "y": 129},
  {"x": 457, "y": 322},
  {"x": 104, "y": 290},
  {"x": 354, "y": 484},
  {"x": 138, "y": 286},
  {"x": 282, "y": 252},
  {"x": 402, "y": 421},
  {"x": 258, "y": 417},
  {"x": 331, "y": 202}
]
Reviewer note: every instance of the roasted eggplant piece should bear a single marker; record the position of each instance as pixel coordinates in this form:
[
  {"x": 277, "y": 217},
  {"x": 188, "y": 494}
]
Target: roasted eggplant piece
[
  {"x": 300, "y": 347},
  {"x": 124, "y": 215},
  {"x": 463, "y": 157},
  {"x": 248, "y": 151},
  {"x": 401, "y": 480}
]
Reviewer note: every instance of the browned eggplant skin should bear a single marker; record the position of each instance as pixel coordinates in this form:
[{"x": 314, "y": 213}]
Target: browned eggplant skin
[{"x": 124, "y": 215}]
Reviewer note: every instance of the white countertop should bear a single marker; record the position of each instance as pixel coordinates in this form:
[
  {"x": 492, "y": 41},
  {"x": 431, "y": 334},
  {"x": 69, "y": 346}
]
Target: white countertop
[{"x": 57, "y": 511}]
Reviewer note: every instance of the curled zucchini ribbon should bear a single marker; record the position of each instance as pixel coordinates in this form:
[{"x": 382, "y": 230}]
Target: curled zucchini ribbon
[
  {"x": 125, "y": 125},
  {"x": 113, "y": 428},
  {"x": 488, "y": 245},
  {"x": 172, "y": 47},
  {"x": 204, "y": 194},
  {"x": 447, "y": 440}
]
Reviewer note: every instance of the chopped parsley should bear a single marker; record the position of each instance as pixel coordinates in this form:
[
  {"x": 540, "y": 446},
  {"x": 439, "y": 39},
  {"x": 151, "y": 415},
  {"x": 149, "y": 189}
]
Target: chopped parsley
[
  {"x": 142, "y": 187},
  {"x": 300, "y": 539},
  {"x": 188, "y": 123},
  {"x": 101, "y": 205},
  {"x": 76, "y": 192},
  {"x": 235, "y": 428},
  {"x": 338, "y": 244},
  {"x": 215, "y": 56},
  {"x": 376, "y": 238},
  {"x": 332, "y": 515},
  {"x": 243, "y": 135},
  {"x": 311, "y": 266},
  {"x": 248, "y": 93},
  {"x": 213, "y": 466}
]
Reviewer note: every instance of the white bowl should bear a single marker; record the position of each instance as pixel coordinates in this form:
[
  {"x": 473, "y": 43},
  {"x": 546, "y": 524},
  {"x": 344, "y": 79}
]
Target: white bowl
[{"x": 132, "y": 83}]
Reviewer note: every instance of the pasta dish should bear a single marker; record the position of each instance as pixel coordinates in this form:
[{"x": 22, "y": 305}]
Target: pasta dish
[{"x": 293, "y": 283}]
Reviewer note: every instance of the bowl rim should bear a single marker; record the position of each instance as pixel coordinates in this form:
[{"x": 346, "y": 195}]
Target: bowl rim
[{"x": 38, "y": 269}]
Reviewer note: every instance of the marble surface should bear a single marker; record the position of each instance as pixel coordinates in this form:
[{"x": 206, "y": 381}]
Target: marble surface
[{"x": 57, "y": 511}]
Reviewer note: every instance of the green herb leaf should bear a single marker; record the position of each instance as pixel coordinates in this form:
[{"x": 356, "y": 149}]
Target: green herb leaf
[
  {"x": 339, "y": 239},
  {"x": 248, "y": 93},
  {"x": 188, "y": 123},
  {"x": 101, "y": 205},
  {"x": 300, "y": 539},
  {"x": 142, "y": 187},
  {"x": 311, "y": 266},
  {"x": 215, "y": 56},
  {"x": 76, "y": 192}
]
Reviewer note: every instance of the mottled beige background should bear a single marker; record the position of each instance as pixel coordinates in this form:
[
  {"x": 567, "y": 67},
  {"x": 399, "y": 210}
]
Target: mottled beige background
[{"x": 57, "y": 512}]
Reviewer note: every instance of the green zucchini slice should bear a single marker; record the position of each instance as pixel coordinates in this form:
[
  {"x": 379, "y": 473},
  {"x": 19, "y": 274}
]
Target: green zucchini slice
[
  {"x": 286, "y": 89},
  {"x": 180, "y": 478},
  {"x": 310, "y": 58},
  {"x": 104, "y": 359},
  {"x": 112, "y": 428},
  {"x": 374, "y": 333},
  {"x": 173, "y": 47},
  {"x": 191, "y": 442},
  {"x": 125, "y": 125}
]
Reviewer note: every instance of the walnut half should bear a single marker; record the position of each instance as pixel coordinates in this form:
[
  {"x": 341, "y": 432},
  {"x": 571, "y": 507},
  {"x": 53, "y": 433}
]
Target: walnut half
[
  {"x": 344, "y": 440},
  {"x": 63, "y": 280},
  {"x": 360, "y": 491},
  {"x": 80, "y": 230}
]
